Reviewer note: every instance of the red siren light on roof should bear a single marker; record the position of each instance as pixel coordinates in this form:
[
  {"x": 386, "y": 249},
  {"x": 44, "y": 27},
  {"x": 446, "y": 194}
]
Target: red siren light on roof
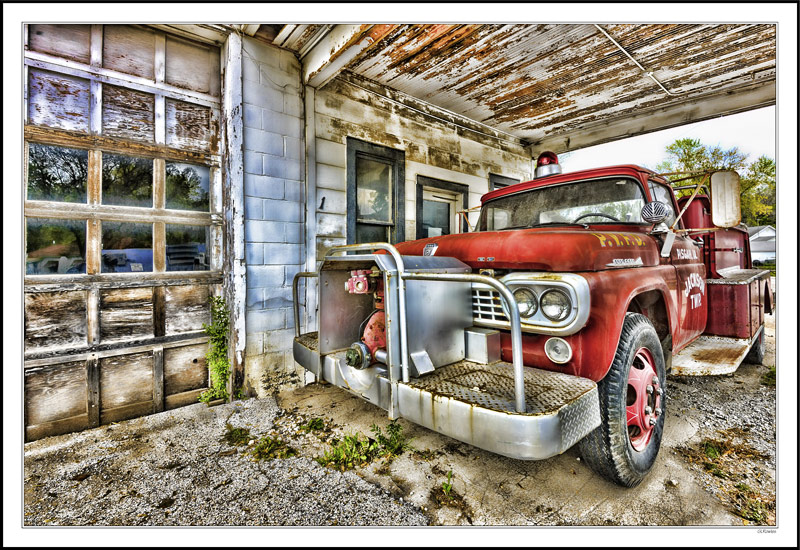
[{"x": 547, "y": 165}]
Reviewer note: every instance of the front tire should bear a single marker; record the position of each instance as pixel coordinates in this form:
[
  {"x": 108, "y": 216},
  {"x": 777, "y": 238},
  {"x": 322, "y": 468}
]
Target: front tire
[{"x": 632, "y": 407}]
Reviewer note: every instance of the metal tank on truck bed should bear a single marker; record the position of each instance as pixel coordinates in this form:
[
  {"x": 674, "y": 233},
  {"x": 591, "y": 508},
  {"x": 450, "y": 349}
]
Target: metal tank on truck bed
[{"x": 555, "y": 322}]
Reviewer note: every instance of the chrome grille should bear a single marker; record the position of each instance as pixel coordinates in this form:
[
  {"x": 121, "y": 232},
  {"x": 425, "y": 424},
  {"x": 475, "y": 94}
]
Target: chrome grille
[{"x": 487, "y": 306}]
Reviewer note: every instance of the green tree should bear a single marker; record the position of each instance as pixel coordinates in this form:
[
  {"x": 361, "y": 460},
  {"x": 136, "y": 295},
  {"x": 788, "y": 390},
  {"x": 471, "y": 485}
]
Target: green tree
[{"x": 757, "y": 179}]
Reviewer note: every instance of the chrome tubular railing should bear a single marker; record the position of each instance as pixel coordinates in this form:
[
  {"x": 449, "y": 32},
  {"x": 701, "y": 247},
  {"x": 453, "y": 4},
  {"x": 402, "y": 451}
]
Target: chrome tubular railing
[
  {"x": 401, "y": 290},
  {"x": 505, "y": 295},
  {"x": 511, "y": 306},
  {"x": 295, "y": 301}
]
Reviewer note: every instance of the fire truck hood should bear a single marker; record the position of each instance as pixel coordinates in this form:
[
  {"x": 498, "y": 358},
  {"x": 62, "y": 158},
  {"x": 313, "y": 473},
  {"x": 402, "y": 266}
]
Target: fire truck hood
[{"x": 543, "y": 249}]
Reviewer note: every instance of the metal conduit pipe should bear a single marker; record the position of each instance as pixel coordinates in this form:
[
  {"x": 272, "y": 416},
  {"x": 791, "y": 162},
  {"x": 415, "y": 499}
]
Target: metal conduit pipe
[
  {"x": 511, "y": 305},
  {"x": 645, "y": 71}
]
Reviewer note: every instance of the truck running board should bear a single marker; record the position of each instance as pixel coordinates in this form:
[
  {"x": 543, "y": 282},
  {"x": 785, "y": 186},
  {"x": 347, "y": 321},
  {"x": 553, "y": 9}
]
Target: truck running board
[
  {"x": 712, "y": 355},
  {"x": 474, "y": 402}
]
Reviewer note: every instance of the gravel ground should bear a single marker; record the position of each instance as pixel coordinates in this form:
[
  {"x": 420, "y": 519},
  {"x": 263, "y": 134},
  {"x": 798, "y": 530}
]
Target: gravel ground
[
  {"x": 739, "y": 411},
  {"x": 174, "y": 468}
]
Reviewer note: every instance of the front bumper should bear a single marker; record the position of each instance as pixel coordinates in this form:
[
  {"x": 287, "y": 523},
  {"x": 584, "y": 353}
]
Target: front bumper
[{"x": 474, "y": 402}]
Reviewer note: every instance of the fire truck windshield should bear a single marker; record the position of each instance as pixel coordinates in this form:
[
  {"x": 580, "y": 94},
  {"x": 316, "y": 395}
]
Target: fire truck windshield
[{"x": 606, "y": 200}]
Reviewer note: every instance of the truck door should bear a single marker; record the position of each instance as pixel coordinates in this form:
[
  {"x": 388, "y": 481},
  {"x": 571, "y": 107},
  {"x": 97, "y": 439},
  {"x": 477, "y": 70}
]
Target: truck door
[{"x": 687, "y": 259}]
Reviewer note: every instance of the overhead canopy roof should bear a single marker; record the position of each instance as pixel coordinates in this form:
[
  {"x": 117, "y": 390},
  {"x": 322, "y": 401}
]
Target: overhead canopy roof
[{"x": 553, "y": 86}]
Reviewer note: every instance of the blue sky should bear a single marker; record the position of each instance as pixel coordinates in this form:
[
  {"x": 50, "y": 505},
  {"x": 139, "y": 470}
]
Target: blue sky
[{"x": 753, "y": 132}]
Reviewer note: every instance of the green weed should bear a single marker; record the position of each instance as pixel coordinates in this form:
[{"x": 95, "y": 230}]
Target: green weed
[
  {"x": 712, "y": 449},
  {"x": 768, "y": 379},
  {"x": 394, "y": 442},
  {"x": 358, "y": 450},
  {"x": 217, "y": 354},
  {"x": 447, "y": 486},
  {"x": 269, "y": 447},
  {"x": 313, "y": 425},
  {"x": 236, "y": 436},
  {"x": 753, "y": 510},
  {"x": 349, "y": 452},
  {"x": 715, "y": 470}
]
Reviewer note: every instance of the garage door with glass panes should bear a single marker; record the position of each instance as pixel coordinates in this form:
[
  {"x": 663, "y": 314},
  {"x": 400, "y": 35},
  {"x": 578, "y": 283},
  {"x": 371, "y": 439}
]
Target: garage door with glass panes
[{"x": 122, "y": 222}]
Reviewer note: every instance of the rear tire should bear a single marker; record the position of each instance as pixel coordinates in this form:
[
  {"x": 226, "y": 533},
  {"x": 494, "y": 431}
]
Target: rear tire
[
  {"x": 756, "y": 354},
  {"x": 625, "y": 445}
]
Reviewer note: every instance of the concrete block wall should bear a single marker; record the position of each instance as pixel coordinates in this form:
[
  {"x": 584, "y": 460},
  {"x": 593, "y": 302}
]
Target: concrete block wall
[{"x": 274, "y": 183}]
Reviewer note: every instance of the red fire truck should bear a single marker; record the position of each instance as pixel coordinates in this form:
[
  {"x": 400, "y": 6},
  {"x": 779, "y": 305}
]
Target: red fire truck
[{"x": 555, "y": 322}]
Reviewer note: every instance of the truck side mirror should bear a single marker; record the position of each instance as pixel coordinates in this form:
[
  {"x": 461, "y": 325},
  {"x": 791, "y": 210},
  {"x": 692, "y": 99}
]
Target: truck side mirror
[{"x": 726, "y": 208}]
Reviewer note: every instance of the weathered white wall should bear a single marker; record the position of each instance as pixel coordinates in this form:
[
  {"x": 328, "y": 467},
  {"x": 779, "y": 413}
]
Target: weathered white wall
[
  {"x": 433, "y": 147},
  {"x": 274, "y": 167},
  {"x": 436, "y": 144}
]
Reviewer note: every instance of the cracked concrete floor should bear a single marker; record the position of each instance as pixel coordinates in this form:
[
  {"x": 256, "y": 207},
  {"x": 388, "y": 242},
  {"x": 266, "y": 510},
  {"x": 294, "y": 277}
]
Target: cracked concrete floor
[
  {"x": 562, "y": 490},
  {"x": 491, "y": 489}
]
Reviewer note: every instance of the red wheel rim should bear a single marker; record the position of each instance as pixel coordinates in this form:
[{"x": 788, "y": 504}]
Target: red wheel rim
[{"x": 643, "y": 400}]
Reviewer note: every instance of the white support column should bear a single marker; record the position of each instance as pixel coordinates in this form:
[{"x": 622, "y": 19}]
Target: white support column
[
  {"x": 311, "y": 215},
  {"x": 235, "y": 281}
]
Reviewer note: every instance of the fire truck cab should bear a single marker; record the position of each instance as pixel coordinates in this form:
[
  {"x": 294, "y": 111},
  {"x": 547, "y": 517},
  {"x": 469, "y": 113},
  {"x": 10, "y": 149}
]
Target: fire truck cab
[{"x": 555, "y": 322}]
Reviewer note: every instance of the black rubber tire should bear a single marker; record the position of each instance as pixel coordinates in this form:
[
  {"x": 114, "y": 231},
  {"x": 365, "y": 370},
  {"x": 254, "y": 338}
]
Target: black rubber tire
[
  {"x": 607, "y": 449},
  {"x": 756, "y": 354}
]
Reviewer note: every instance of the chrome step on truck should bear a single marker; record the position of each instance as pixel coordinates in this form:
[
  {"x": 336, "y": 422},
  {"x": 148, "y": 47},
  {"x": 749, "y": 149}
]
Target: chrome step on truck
[{"x": 435, "y": 368}]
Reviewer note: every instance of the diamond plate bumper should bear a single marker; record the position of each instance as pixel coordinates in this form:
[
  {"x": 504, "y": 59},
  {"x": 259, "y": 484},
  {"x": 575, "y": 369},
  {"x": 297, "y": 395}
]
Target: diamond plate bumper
[{"x": 474, "y": 402}]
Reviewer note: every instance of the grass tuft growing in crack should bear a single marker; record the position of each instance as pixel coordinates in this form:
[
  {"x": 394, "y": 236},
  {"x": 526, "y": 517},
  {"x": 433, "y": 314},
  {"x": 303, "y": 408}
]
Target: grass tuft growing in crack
[
  {"x": 768, "y": 378},
  {"x": 268, "y": 448},
  {"x": 236, "y": 436},
  {"x": 313, "y": 425},
  {"x": 355, "y": 450}
]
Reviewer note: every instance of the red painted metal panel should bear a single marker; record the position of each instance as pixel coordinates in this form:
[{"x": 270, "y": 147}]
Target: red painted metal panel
[
  {"x": 730, "y": 313},
  {"x": 545, "y": 249},
  {"x": 728, "y": 248}
]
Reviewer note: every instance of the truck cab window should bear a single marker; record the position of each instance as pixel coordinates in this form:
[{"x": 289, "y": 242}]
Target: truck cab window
[{"x": 607, "y": 200}]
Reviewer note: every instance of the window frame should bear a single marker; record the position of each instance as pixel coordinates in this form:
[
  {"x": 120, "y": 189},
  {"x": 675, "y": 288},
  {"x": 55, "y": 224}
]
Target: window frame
[
  {"x": 496, "y": 181},
  {"x": 356, "y": 149},
  {"x": 97, "y": 142},
  {"x": 443, "y": 185},
  {"x": 673, "y": 201}
]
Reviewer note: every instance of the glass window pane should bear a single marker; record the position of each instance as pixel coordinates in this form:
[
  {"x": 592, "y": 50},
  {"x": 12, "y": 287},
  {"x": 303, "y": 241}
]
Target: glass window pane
[
  {"x": 57, "y": 173},
  {"x": 188, "y": 247},
  {"x": 187, "y": 187},
  {"x": 127, "y": 247},
  {"x": 663, "y": 194},
  {"x": 55, "y": 246},
  {"x": 366, "y": 233},
  {"x": 127, "y": 181},
  {"x": 435, "y": 218},
  {"x": 373, "y": 190}
]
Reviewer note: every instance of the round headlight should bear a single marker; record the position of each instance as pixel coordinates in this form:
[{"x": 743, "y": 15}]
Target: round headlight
[
  {"x": 555, "y": 304},
  {"x": 526, "y": 302}
]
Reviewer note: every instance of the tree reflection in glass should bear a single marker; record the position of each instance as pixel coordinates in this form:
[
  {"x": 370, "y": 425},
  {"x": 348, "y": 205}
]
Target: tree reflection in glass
[
  {"x": 187, "y": 187},
  {"x": 57, "y": 173},
  {"x": 127, "y": 181},
  {"x": 55, "y": 246}
]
